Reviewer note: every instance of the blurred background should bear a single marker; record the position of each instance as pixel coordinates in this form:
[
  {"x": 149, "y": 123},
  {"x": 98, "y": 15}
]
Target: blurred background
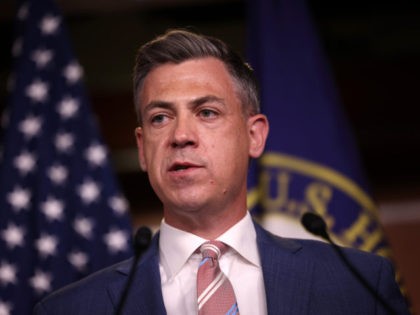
[{"x": 373, "y": 49}]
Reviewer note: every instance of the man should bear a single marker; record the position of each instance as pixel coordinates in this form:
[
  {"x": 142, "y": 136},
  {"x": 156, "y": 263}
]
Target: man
[{"x": 199, "y": 126}]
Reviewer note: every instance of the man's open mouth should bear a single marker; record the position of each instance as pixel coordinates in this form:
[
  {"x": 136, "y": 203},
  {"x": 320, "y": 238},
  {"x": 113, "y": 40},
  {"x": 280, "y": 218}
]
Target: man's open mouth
[{"x": 180, "y": 167}]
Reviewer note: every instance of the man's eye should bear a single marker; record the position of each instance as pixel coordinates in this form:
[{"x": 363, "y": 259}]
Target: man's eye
[
  {"x": 208, "y": 113},
  {"x": 158, "y": 119}
]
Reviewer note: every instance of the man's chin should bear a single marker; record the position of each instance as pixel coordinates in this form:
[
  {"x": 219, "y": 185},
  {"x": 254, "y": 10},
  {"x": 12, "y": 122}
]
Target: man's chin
[{"x": 188, "y": 206}]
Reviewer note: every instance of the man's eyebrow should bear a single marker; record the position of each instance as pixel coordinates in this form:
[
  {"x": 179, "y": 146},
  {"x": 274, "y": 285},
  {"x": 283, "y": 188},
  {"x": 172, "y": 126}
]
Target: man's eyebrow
[
  {"x": 193, "y": 103},
  {"x": 207, "y": 99},
  {"x": 158, "y": 104}
]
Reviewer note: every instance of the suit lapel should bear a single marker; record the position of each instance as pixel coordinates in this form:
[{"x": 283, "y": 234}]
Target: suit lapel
[
  {"x": 287, "y": 277},
  {"x": 145, "y": 295}
]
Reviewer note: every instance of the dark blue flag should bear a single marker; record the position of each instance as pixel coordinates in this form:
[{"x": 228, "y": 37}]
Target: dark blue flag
[
  {"x": 61, "y": 213},
  {"x": 311, "y": 161}
]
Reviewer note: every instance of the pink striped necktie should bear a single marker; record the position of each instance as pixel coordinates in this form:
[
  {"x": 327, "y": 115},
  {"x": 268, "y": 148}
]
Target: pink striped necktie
[{"x": 214, "y": 290}]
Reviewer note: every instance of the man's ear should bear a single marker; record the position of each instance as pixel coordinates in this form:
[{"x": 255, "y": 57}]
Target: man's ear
[
  {"x": 140, "y": 148},
  {"x": 258, "y": 131}
]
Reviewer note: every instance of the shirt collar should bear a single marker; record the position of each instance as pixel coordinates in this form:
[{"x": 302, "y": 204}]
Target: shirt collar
[
  {"x": 242, "y": 238},
  {"x": 180, "y": 245}
]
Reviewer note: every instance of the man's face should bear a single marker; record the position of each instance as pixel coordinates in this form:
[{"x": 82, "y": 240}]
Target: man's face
[{"x": 195, "y": 140}]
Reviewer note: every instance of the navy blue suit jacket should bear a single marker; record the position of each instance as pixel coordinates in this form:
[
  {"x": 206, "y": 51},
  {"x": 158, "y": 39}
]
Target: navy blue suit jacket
[{"x": 300, "y": 276}]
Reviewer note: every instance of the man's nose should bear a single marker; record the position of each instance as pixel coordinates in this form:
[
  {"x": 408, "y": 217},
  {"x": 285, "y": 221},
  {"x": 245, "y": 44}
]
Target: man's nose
[{"x": 184, "y": 133}]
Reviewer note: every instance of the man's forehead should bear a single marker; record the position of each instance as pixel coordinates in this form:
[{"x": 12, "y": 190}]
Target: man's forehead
[{"x": 202, "y": 73}]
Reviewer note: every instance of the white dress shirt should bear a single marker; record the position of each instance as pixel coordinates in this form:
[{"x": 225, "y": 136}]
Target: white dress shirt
[{"x": 179, "y": 260}]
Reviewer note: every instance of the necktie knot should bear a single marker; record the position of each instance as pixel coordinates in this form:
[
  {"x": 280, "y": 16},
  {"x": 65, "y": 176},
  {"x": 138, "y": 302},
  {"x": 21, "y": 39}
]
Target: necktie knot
[{"x": 213, "y": 249}]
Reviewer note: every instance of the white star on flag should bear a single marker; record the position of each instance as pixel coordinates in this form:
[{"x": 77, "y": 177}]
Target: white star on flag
[
  {"x": 118, "y": 204},
  {"x": 73, "y": 72},
  {"x": 5, "y": 308},
  {"x": 57, "y": 174},
  {"x": 30, "y": 126},
  {"x": 37, "y": 91},
  {"x": 49, "y": 24},
  {"x": 25, "y": 162},
  {"x": 64, "y": 142},
  {"x": 42, "y": 57},
  {"x": 84, "y": 227},
  {"x": 78, "y": 259},
  {"x": 68, "y": 107},
  {"x": 46, "y": 245},
  {"x": 7, "y": 274},
  {"x": 13, "y": 235},
  {"x": 96, "y": 154},
  {"x": 53, "y": 209},
  {"x": 89, "y": 191},
  {"x": 19, "y": 198},
  {"x": 41, "y": 282},
  {"x": 116, "y": 240}
]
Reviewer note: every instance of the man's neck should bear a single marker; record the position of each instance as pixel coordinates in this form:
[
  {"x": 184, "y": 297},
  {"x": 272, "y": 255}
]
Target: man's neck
[{"x": 207, "y": 226}]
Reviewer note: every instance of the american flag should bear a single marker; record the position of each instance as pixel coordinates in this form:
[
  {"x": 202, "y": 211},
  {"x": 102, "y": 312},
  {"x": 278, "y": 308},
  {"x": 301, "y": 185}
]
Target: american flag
[{"x": 61, "y": 213}]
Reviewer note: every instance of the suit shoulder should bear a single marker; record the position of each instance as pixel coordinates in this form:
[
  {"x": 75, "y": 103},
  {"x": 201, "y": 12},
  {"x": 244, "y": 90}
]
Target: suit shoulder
[
  {"x": 92, "y": 288},
  {"x": 326, "y": 260},
  {"x": 319, "y": 252},
  {"x": 322, "y": 250},
  {"x": 96, "y": 279}
]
